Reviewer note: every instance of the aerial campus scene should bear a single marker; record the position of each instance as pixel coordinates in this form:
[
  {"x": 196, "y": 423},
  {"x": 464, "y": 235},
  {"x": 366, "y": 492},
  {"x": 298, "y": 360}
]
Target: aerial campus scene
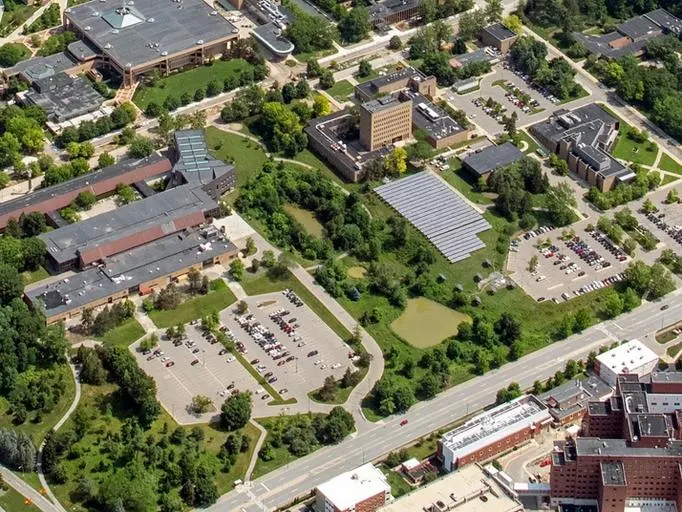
[{"x": 326, "y": 256}]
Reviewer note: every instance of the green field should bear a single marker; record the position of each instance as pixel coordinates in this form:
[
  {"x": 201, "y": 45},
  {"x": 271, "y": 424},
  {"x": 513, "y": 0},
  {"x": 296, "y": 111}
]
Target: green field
[
  {"x": 464, "y": 182},
  {"x": 674, "y": 350},
  {"x": 668, "y": 164},
  {"x": 188, "y": 81},
  {"x": 638, "y": 153},
  {"x": 34, "y": 276},
  {"x": 442, "y": 322},
  {"x": 37, "y": 431},
  {"x": 125, "y": 334},
  {"x": 532, "y": 145},
  {"x": 12, "y": 501},
  {"x": 669, "y": 179},
  {"x": 306, "y": 218},
  {"x": 191, "y": 309},
  {"x": 341, "y": 90}
]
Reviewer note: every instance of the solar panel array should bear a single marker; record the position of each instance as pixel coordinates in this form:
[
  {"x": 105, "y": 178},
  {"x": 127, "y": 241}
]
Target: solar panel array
[{"x": 432, "y": 207}]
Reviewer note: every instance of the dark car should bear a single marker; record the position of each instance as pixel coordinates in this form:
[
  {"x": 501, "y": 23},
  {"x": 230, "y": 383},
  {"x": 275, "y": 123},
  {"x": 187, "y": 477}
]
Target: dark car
[
  {"x": 169, "y": 364},
  {"x": 272, "y": 379},
  {"x": 222, "y": 351},
  {"x": 312, "y": 353},
  {"x": 664, "y": 307},
  {"x": 255, "y": 361},
  {"x": 196, "y": 361},
  {"x": 196, "y": 350},
  {"x": 269, "y": 374}
]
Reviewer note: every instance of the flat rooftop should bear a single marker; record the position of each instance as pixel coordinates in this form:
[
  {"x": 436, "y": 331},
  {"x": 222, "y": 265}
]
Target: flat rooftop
[
  {"x": 165, "y": 212},
  {"x": 130, "y": 269},
  {"x": 612, "y": 473},
  {"x": 352, "y": 487},
  {"x": 499, "y": 32},
  {"x": 63, "y": 97},
  {"x": 42, "y": 67},
  {"x": 638, "y": 27},
  {"x": 431, "y": 118},
  {"x": 628, "y": 357},
  {"x": 82, "y": 50},
  {"x": 372, "y": 87},
  {"x": 493, "y": 157},
  {"x": 271, "y": 36},
  {"x": 661, "y": 377},
  {"x": 648, "y": 425},
  {"x": 144, "y": 30},
  {"x": 594, "y": 446},
  {"x": 479, "y": 55},
  {"x": 462, "y": 489},
  {"x": 496, "y": 423},
  {"x": 87, "y": 180},
  {"x": 585, "y": 388},
  {"x": 384, "y": 103},
  {"x": 665, "y": 20}
]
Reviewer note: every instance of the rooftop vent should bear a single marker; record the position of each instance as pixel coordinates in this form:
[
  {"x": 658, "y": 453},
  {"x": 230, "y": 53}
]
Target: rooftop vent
[
  {"x": 107, "y": 46},
  {"x": 88, "y": 28},
  {"x": 150, "y": 20},
  {"x": 200, "y": 41}
]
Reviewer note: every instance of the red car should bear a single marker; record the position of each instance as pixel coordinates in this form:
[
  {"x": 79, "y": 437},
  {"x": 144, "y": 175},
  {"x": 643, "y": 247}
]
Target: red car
[
  {"x": 403, "y": 423},
  {"x": 169, "y": 364}
]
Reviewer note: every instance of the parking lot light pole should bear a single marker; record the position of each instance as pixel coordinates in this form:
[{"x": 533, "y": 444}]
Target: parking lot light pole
[{"x": 204, "y": 354}]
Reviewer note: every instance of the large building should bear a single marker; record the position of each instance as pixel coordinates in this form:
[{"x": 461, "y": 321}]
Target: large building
[
  {"x": 385, "y": 121},
  {"x": 584, "y": 137},
  {"x": 493, "y": 432},
  {"x": 132, "y": 38},
  {"x": 101, "y": 182},
  {"x": 629, "y": 457},
  {"x": 567, "y": 403},
  {"x": 497, "y": 36},
  {"x": 405, "y": 78},
  {"x": 482, "y": 163},
  {"x": 386, "y": 12},
  {"x": 63, "y": 97},
  {"x": 631, "y": 36},
  {"x": 139, "y": 270},
  {"x": 470, "y": 489},
  {"x": 364, "y": 489},
  {"x": 633, "y": 357}
]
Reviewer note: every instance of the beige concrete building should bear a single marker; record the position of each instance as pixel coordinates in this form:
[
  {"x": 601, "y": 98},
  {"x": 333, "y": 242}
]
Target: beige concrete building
[{"x": 385, "y": 121}]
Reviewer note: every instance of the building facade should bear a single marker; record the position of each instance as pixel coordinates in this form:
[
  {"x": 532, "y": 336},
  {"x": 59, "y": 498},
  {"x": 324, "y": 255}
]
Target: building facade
[
  {"x": 364, "y": 489},
  {"x": 633, "y": 357},
  {"x": 385, "y": 121}
]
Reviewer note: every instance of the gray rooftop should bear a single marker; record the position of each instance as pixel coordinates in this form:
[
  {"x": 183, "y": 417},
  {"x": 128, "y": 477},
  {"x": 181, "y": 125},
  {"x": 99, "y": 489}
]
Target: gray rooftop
[
  {"x": 638, "y": 27},
  {"x": 648, "y": 425},
  {"x": 159, "y": 212},
  {"x": 594, "y": 446},
  {"x": 436, "y": 210},
  {"x": 431, "y": 118},
  {"x": 44, "y": 194},
  {"x": 658, "y": 377},
  {"x": 371, "y": 87},
  {"x": 479, "y": 55},
  {"x": 129, "y": 269},
  {"x": 381, "y": 10},
  {"x": 666, "y": 21},
  {"x": 587, "y": 387},
  {"x": 42, "y": 67},
  {"x": 499, "y": 32},
  {"x": 146, "y": 30},
  {"x": 82, "y": 50},
  {"x": 63, "y": 97},
  {"x": 271, "y": 36},
  {"x": 493, "y": 157},
  {"x": 612, "y": 473},
  {"x": 195, "y": 163},
  {"x": 383, "y": 103}
]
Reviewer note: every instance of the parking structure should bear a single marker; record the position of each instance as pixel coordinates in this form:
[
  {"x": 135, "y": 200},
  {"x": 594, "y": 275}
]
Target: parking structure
[
  {"x": 566, "y": 266},
  {"x": 275, "y": 324}
]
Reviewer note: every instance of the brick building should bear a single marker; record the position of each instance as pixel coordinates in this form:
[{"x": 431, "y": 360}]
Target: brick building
[
  {"x": 493, "y": 432},
  {"x": 364, "y": 489},
  {"x": 384, "y": 121},
  {"x": 629, "y": 456},
  {"x": 568, "y": 403}
]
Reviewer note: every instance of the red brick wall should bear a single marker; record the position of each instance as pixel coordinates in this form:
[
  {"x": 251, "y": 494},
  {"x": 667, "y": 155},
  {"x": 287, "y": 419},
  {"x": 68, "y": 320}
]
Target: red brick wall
[
  {"x": 503, "y": 445},
  {"x": 371, "y": 504},
  {"x": 666, "y": 387}
]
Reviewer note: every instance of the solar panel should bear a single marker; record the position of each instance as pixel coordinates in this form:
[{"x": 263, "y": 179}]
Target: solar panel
[{"x": 438, "y": 212}]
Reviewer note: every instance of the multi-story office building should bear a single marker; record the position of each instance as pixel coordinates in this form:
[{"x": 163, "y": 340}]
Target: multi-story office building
[{"x": 385, "y": 121}]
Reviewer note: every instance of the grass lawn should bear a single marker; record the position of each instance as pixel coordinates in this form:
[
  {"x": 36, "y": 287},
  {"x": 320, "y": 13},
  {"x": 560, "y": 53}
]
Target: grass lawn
[
  {"x": 399, "y": 485},
  {"x": 627, "y": 149},
  {"x": 37, "y": 431},
  {"x": 464, "y": 182},
  {"x": 674, "y": 350},
  {"x": 16, "y": 17},
  {"x": 341, "y": 90},
  {"x": 31, "y": 479},
  {"x": 188, "y": 81},
  {"x": 248, "y": 155},
  {"x": 357, "y": 272},
  {"x": 12, "y": 501},
  {"x": 306, "y": 218},
  {"x": 256, "y": 284},
  {"x": 668, "y": 164},
  {"x": 218, "y": 298},
  {"x": 106, "y": 414},
  {"x": 126, "y": 333},
  {"x": 442, "y": 322},
  {"x": 532, "y": 145},
  {"x": 669, "y": 179},
  {"x": 308, "y": 56},
  {"x": 34, "y": 276}
]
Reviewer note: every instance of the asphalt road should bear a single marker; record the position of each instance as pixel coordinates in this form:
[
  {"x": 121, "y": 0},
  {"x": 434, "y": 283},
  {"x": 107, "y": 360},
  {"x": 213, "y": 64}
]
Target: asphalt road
[{"x": 283, "y": 485}]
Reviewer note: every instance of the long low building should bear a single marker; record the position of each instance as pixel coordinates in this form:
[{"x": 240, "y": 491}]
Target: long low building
[
  {"x": 83, "y": 243},
  {"x": 493, "y": 432},
  {"x": 139, "y": 270},
  {"x": 103, "y": 181}
]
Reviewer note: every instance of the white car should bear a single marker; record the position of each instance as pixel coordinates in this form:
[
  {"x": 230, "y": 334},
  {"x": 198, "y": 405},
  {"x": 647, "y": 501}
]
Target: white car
[{"x": 231, "y": 359}]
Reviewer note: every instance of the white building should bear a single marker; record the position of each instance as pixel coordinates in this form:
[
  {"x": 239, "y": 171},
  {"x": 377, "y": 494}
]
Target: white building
[
  {"x": 632, "y": 357},
  {"x": 365, "y": 488}
]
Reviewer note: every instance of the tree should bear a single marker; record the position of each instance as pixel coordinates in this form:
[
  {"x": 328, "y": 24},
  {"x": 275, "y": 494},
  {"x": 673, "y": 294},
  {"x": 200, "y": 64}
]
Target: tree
[
  {"x": 471, "y": 23},
  {"x": 237, "y": 269},
  {"x": 672, "y": 197},
  {"x": 513, "y": 23},
  {"x": 365, "y": 68},
  {"x": 310, "y": 33},
  {"x": 11, "y": 284},
  {"x": 509, "y": 393},
  {"x": 508, "y": 328},
  {"x": 395, "y": 43},
  {"x": 11, "y": 54},
  {"x": 494, "y": 10},
  {"x": 582, "y": 319},
  {"x": 355, "y": 24},
  {"x": 396, "y": 161},
  {"x": 140, "y": 147},
  {"x": 85, "y": 200},
  {"x": 236, "y": 411},
  {"x": 428, "y": 9},
  {"x": 326, "y": 79},
  {"x": 201, "y": 404},
  {"x": 429, "y": 386},
  {"x": 613, "y": 304},
  {"x": 321, "y": 106},
  {"x": 328, "y": 390},
  {"x": 559, "y": 202},
  {"x": 194, "y": 280},
  {"x": 105, "y": 160}
]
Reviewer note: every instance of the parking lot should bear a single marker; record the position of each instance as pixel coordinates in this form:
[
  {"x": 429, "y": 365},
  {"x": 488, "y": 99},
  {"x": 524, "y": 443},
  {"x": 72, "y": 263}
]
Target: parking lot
[
  {"x": 665, "y": 224},
  {"x": 308, "y": 353},
  {"x": 566, "y": 267}
]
